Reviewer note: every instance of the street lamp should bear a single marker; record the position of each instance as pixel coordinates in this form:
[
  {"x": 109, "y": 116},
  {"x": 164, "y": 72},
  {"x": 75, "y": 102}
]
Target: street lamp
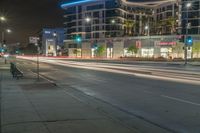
[
  {"x": 113, "y": 21},
  {"x": 147, "y": 29},
  {"x": 2, "y": 18},
  {"x": 188, "y": 6},
  {"x": 87, "y": 19},
  {"x": 8, "y": 31},
  {"x": 55, "y": 36},
  {"x": 38, "y": 64},
  {"x": 3, "y": 35}
]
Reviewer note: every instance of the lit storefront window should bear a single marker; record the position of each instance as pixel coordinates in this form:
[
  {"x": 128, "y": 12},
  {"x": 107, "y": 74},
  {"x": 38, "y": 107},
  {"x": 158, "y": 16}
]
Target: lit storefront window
[
  {"x": 147, "y": 52},
  {"x": 165, "y": 52},
  {"x": 109, "y": 52}
]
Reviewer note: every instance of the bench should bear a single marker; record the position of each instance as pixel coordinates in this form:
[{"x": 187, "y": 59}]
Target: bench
[{"x": 16, "y": 72}]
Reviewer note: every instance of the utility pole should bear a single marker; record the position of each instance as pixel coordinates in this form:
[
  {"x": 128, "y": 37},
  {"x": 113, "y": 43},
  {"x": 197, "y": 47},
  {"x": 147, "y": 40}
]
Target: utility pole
[
  {"x": 55, "y": 37},
  {"x": 38, "y": 63},
  {"x": 188, "y": 5}
]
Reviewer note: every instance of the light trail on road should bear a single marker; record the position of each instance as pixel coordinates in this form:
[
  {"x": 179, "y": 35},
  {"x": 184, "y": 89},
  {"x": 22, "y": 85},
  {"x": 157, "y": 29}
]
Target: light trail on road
[{"x": 188, "y": 77}]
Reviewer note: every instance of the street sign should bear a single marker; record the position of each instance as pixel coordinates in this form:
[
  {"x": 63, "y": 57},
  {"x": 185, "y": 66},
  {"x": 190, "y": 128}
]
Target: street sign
[{"x": 33, "y": 40}]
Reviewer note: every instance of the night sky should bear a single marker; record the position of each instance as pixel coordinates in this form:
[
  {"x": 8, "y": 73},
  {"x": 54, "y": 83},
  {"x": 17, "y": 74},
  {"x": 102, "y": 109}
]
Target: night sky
[{"x": 27, "y": 17}]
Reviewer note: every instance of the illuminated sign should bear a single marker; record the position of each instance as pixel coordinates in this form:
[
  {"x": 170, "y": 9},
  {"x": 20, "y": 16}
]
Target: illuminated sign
[
  {"x": 47, "y": 32},
  {"x": 33, "y": 40},
  {"x": 166, "y": 43},
  {"x": 138, "y": 44}
]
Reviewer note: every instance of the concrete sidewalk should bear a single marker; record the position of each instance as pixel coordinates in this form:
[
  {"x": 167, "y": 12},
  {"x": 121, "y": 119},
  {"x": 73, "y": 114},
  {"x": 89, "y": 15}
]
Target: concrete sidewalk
[{"x": 29, "y": 106}]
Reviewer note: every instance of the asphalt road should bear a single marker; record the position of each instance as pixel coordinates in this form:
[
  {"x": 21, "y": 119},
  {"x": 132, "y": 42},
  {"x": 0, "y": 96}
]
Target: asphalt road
[{"x": 167, "y": 103}]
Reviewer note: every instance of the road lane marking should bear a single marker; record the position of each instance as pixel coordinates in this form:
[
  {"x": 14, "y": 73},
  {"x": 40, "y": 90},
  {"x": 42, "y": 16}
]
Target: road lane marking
[{"x": 181, "y": 100}]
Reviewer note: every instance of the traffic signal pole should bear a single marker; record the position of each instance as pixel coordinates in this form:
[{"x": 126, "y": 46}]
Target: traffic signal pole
[
  {"x": 185, "y": 53},
  {"x": 186, "y": 40}
]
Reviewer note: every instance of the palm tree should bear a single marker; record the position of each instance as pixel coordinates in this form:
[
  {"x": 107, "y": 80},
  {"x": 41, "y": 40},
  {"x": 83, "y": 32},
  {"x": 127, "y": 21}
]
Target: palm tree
[
  {"x": 133, "y": 49},
  {"x": 172, "y": 22},
  {"x": 159, "y": 26},
  {"x": 129, "y": 26}
]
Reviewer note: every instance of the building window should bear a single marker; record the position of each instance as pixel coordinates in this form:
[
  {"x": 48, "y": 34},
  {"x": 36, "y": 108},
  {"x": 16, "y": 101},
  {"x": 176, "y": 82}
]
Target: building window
[
  {"x": 95, "y": 7},
  {"x": 79, "y": 9},
  {"x": 70, "y": 10},
  {"x": 96, "y": 15}
]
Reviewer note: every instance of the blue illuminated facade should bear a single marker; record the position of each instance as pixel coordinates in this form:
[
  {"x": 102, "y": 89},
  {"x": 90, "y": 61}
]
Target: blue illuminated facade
[
  {"x": 49, "y": 33},
  {"x": 52, "y": 40}
]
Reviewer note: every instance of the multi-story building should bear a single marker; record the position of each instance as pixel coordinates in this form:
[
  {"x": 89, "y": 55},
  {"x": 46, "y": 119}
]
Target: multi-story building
[
  {"x": 117, "y": 24},
  {"x": 118, "y": 18},
  {"x": 52, "y": 39}
]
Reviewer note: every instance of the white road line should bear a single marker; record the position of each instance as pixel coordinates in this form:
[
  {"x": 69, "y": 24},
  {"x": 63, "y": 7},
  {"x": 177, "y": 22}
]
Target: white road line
[{"x": 180, "y": 100}]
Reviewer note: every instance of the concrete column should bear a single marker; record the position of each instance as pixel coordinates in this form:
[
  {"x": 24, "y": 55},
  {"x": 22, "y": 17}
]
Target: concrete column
[
  {"x": 118, "y": 49},
  {"x": 86, "y": 50},
  {"x": 140, "y": 24}
]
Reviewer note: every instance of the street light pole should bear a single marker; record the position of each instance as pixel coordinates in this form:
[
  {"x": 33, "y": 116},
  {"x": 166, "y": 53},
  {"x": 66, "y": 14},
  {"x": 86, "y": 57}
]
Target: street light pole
[
  {"x": 3, "y": 46},
  {"x": 38, "y": 64},
  {"x": 2, "y": 19},
  {"x": 188, "y": 5},
  {"x": 55, "y": 36},
  {"x": 89, "y": 21},
  {"x": 148, "y": 34},
  {"x": 2, "y": 37}
]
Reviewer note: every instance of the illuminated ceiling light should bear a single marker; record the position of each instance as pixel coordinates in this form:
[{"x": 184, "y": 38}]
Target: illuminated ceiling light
[
  {"x": 146, "y": 27},
  {"x": 87, "y": 19},
  {"x": 188, "y": 5},
  {"x": 113, "y": 21},
  {"x": 54, "y": 34}
]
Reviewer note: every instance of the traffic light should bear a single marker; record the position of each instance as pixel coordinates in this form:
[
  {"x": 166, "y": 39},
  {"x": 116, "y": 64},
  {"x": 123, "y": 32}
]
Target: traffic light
[
  {"x": 189, "y": 41},
  {"x": 77, "y": 39},
  {"x": 2, "y": 50},
  {"x": 182, "y": 39},
  {"x": 95, "y": 46}
]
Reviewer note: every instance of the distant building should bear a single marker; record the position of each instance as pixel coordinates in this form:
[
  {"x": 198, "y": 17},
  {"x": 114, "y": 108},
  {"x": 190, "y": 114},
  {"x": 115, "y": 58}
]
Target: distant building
[{"x": 52, "y": 41}]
